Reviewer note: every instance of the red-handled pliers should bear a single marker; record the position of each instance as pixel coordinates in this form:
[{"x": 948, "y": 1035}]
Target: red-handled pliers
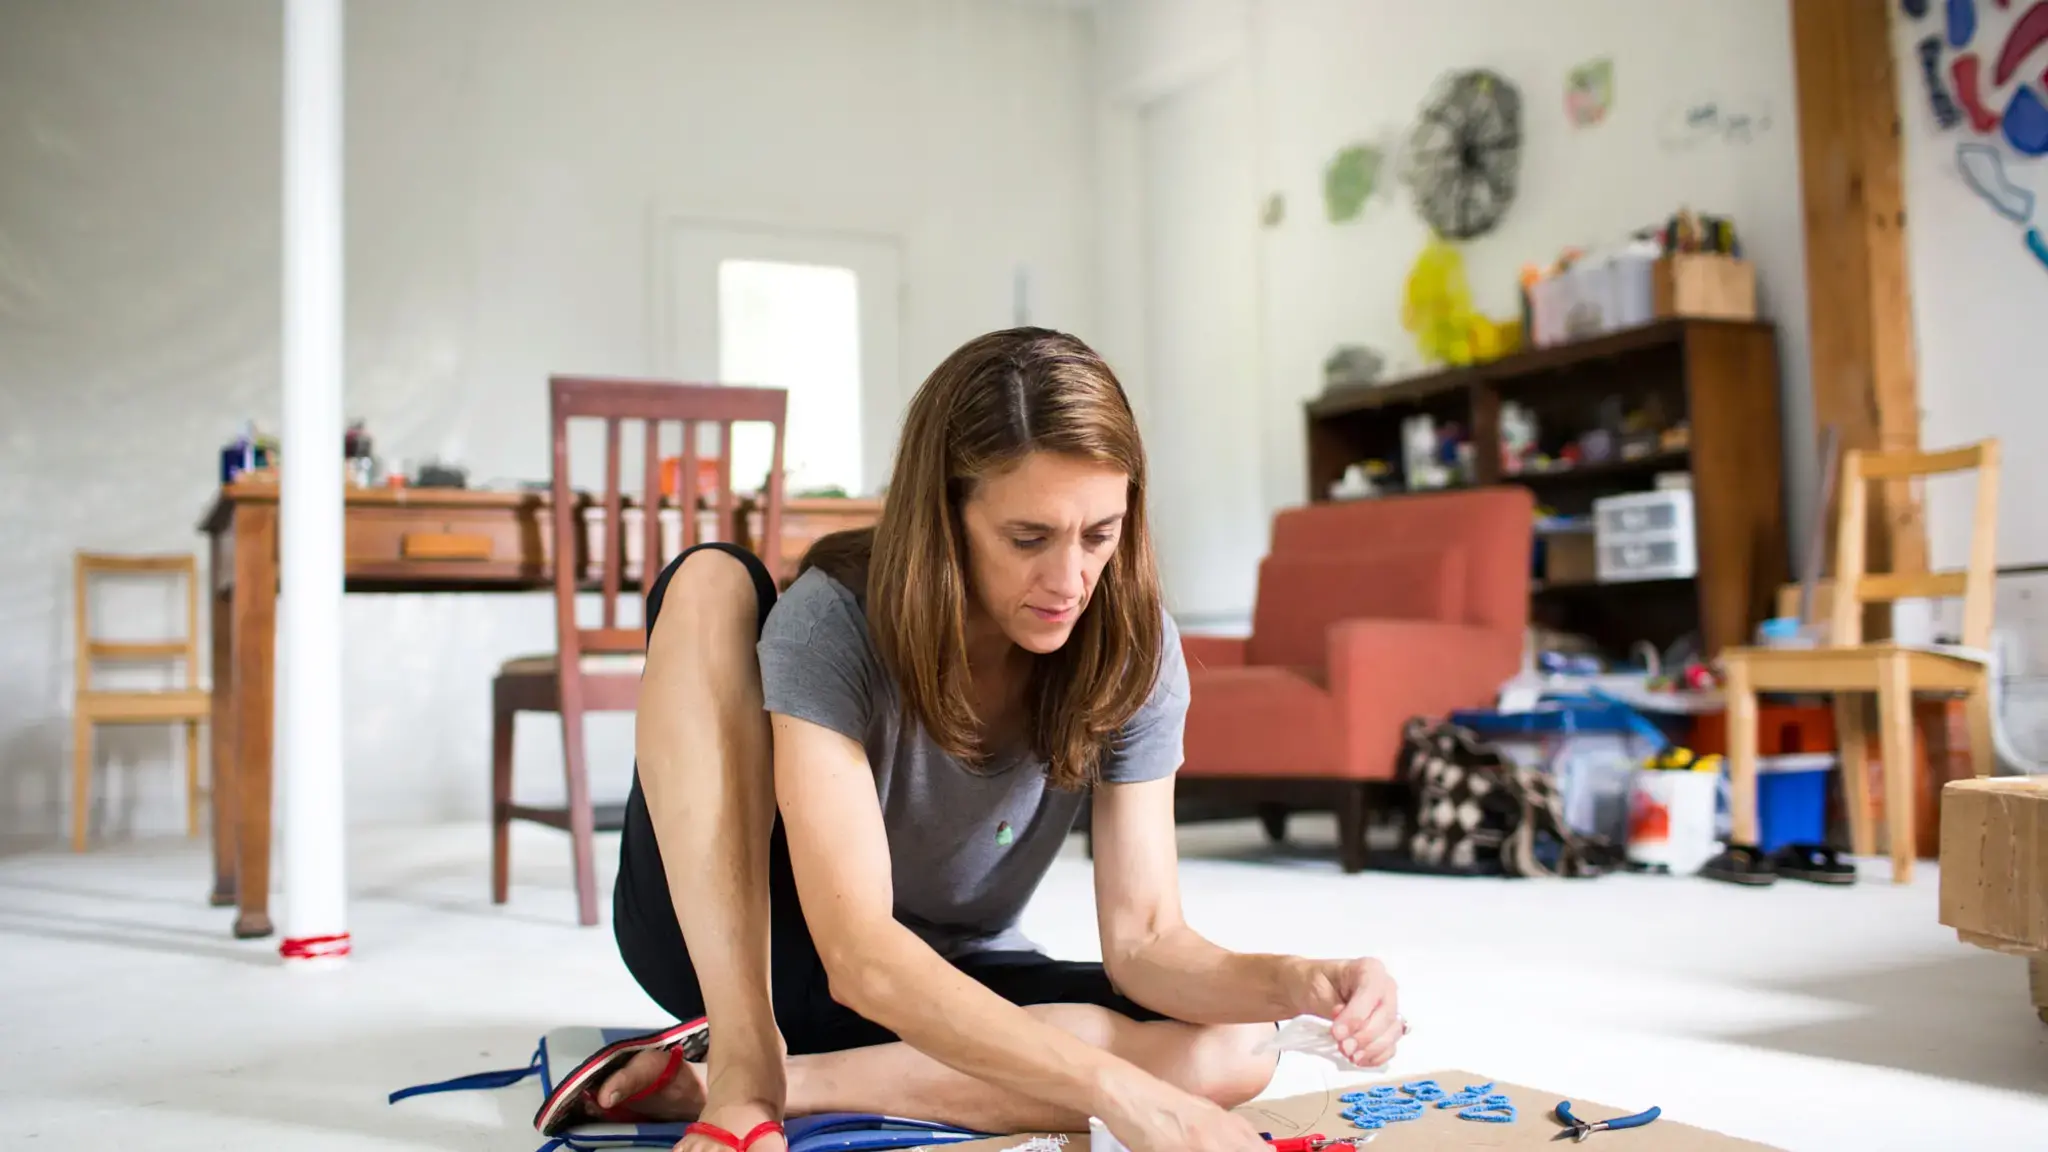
[{"x": 1313, "y": 1142}]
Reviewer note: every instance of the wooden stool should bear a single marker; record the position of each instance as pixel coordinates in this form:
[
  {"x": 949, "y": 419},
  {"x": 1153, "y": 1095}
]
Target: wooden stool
[{"x": 93, "y": 707}]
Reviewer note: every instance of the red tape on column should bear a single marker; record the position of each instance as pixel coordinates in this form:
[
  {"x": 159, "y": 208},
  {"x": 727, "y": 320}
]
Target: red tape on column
[{"x": 314, "y": 947}]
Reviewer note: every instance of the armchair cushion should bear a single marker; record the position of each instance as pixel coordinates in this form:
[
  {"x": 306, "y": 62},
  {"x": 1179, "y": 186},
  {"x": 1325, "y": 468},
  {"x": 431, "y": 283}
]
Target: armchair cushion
[
  {"x": 1260, "y": 722},
  {"x": 1213, "y": 651},
  {"x": 1300, "y": 595},
  {"x": 1382, "y": 672}
]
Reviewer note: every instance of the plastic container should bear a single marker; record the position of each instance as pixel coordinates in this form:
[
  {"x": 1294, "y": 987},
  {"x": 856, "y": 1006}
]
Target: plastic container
[
  {"x": 1590, "y": 748},
  {"x": 1646, "y": 536},
  {"x": 1791, "y": 799},
  {"x": 1672, "y": 819}
]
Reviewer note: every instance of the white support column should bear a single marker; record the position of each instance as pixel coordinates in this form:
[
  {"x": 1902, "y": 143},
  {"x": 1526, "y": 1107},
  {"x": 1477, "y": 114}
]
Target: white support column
[{"x": 310, "y": 513}]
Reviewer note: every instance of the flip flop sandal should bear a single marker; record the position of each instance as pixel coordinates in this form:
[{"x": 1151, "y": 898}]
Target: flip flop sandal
[
  {"x": 1743, "y": 864},
  {"x": 574, "y": 1099},
  {"x": 1815, "y": 863},
  {"x": 738, "y": 1143}
]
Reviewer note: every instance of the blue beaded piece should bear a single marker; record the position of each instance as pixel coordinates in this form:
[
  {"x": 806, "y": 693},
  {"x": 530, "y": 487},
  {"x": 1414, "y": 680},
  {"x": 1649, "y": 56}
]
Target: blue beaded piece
[
  {"x": 1472, "y": 1094},
  {"x": 1384, "y": 1104},
  {"x": 1494, "y": 1109},
  {"x": 1424, "y": 1090}
]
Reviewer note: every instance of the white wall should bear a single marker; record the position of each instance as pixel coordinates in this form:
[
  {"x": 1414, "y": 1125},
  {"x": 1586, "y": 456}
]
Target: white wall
[
  {"x": 505, "y": 158},
  {"x": 1327, "y": 73}
]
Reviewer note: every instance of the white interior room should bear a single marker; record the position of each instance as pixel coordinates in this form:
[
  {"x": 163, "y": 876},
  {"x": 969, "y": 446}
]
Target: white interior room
[{"x": 827, "y": 197}]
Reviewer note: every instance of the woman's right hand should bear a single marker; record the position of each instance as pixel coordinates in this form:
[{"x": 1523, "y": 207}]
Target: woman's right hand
[{"x": 1168, "y": 1119}]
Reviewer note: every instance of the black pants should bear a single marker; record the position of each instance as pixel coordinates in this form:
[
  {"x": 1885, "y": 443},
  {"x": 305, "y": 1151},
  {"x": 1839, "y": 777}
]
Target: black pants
[{"x": 651, "y": 943}]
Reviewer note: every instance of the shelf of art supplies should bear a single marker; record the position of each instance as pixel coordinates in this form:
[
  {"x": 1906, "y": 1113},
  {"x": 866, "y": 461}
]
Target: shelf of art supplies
[{"x": 1679, "y": 403}]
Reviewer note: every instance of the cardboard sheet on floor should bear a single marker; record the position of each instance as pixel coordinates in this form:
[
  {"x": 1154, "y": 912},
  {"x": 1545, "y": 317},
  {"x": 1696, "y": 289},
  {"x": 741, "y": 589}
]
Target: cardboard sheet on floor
[{"x": 1533, "y": 1127}]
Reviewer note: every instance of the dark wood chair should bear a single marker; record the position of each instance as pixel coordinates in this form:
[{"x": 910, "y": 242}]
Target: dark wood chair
[{"x": 598, "y": 669}]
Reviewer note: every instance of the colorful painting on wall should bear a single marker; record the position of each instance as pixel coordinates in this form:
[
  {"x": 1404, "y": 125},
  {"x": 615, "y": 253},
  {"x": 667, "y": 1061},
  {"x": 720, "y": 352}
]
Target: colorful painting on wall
[
  {"x": 1349, "y": 181},
  {"x": 1985, "y": 90},
  {"x": 1589, "y": 92}
]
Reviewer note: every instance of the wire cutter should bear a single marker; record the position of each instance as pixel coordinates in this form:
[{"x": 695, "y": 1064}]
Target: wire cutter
[{"x": 1579, "y": 1129}]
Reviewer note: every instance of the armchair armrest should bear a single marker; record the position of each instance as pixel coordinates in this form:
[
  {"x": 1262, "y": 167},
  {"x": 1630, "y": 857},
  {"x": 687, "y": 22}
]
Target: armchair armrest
[
  {"x": 1213, "y": 651},
  {"x": 1419, "y": 667}
]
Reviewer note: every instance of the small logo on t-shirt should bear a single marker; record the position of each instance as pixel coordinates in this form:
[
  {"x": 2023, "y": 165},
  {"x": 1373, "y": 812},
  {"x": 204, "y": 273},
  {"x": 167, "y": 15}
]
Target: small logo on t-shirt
[{"x": 1004, "y": 835}]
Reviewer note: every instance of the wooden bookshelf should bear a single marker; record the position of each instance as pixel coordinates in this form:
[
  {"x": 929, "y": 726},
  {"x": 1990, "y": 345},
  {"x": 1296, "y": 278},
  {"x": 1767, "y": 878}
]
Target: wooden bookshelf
[{"x": 1719, "y": 376}]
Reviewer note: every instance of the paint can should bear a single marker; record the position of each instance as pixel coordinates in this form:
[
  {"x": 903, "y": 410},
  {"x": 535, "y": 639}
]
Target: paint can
[{"x": 1671, "y": 819}]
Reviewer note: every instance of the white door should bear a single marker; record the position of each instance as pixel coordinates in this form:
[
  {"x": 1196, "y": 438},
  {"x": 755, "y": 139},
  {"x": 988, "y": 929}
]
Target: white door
[
  {"x": 1202, "y": 354},
  {"x": 817, "y": 314}
]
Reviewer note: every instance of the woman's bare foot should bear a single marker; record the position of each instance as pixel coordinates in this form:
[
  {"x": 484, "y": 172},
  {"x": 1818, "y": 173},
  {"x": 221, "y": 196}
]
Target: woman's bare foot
[
  {"x": 737, "y": 1120},
  {"x": 682, "y": 1098}
]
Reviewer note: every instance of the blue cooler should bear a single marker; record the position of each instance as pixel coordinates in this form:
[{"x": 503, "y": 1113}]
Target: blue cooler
[{"x": 1792, "y": 799}]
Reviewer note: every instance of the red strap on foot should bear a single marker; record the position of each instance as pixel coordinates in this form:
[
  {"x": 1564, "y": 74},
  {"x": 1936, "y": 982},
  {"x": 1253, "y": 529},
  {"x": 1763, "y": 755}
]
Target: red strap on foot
[
  {"x": 668, "y": 1074},
  {"x": 736, "y": 1143}
]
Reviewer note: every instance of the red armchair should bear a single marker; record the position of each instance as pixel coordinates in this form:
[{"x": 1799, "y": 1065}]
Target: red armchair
[{"x": 1368, "y": 613}]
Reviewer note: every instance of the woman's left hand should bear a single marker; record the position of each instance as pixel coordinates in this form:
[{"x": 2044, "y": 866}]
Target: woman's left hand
[{"x": 1359, "y": 999}]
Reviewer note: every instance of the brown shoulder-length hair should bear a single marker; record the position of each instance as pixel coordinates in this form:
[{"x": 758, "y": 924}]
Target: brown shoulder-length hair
[{"x": 991, "y": 403}]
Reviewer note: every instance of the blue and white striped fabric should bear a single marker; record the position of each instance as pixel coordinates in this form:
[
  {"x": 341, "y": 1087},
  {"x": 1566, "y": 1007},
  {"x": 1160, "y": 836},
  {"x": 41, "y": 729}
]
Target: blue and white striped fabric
[{"x": 563, "y": 1050}]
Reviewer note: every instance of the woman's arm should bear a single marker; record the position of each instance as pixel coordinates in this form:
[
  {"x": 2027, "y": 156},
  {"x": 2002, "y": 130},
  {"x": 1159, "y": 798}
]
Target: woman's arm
[
  {"x": 1153, "y": 956},
  {"x": 840, "y": 854}
]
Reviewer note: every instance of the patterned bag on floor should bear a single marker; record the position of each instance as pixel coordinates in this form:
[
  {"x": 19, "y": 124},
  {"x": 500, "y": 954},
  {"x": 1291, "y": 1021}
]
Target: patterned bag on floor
[{"x": 1472, "y": 811}]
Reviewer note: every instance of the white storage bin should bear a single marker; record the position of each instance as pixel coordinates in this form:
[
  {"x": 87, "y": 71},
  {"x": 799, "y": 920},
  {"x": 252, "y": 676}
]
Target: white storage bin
[
  {"x": 1667, "y": 559},
  {"x": 1601, "y": 293},
  {"x": 1645, "y": 536},
  {"x": 1659, "y": 513}
]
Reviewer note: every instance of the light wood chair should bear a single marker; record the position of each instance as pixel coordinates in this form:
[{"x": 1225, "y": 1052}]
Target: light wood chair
[
  {"x": 598, "y": 669},
  {"x": 191, "y": 703},
  {"x": 1846, "y": 666}
]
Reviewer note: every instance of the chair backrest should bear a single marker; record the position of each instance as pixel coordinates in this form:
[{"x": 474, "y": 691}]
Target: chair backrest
[
  {"x": 652, "y": 403},
  {"x": 85, "y": 566},
  {"x": 1459, "y": 557},
  {"x": 1855, "y": 585}
]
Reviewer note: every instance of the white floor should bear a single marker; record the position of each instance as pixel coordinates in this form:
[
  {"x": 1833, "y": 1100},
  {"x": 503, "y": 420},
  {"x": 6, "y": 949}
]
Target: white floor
[{"x": 1799, "y": 1016}]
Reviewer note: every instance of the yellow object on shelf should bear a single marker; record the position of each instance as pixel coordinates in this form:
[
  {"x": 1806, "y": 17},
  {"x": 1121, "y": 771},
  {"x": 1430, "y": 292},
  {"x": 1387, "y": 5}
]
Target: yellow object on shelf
[{"x": 1437, "y": 308}]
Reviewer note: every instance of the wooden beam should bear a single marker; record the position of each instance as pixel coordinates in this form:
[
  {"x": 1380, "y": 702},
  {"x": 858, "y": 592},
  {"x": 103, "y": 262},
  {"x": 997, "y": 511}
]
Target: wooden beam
[{"x": 1860, "y": 310}]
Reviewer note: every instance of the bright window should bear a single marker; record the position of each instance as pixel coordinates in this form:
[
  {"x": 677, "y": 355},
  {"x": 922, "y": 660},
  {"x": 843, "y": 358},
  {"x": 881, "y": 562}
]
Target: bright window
[{"x": 795, "y": 326}]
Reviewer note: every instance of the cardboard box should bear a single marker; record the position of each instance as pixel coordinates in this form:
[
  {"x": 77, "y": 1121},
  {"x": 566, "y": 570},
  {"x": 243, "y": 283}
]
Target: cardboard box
[
  {"x": 1440, "y": 1131},
  {"x": 1569, "y": 558},
  {"x": 1994, "y": 862},
  {"x": 1706, "y": 285}
]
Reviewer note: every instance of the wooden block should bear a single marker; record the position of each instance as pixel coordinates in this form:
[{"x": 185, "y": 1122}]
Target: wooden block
[
  {"x": 1704, "y": 285},
  {"x": 1994, "y": 862}
]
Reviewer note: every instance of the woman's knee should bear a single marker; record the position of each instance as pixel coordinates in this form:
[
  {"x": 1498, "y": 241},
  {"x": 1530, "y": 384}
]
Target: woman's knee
[
  {"x": 1229, "y": 1063},
  {"x": 710, "y": 607}
]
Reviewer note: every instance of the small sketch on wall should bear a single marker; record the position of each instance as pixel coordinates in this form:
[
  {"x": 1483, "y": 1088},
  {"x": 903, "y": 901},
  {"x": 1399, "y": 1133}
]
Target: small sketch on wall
[
  {"x": 1984, "y": 171},
  {"x": 1274, "y": 210},
  {"x": 1708, "y": 118},
  {"x": 1350, "y": 180},
  {"x": 1589, "y": 92}
]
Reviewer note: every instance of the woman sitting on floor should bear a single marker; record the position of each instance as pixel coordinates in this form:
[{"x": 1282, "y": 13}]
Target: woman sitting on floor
[{"x": 845, "y": 796}]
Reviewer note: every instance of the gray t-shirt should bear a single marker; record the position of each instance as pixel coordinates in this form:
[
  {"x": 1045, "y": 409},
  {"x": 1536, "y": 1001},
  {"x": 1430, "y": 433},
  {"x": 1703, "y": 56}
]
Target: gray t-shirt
[{"x": 968, "y": 849}]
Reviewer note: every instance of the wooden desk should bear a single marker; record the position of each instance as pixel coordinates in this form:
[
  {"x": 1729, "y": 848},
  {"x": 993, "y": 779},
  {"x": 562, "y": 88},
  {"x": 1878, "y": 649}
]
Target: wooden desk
[
  {"x": 803, "y": 522},
  {"x": 395, "y": 540}
]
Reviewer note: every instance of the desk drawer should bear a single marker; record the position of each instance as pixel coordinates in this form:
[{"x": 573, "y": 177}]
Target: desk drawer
[{"x": 489, "y": 543}]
